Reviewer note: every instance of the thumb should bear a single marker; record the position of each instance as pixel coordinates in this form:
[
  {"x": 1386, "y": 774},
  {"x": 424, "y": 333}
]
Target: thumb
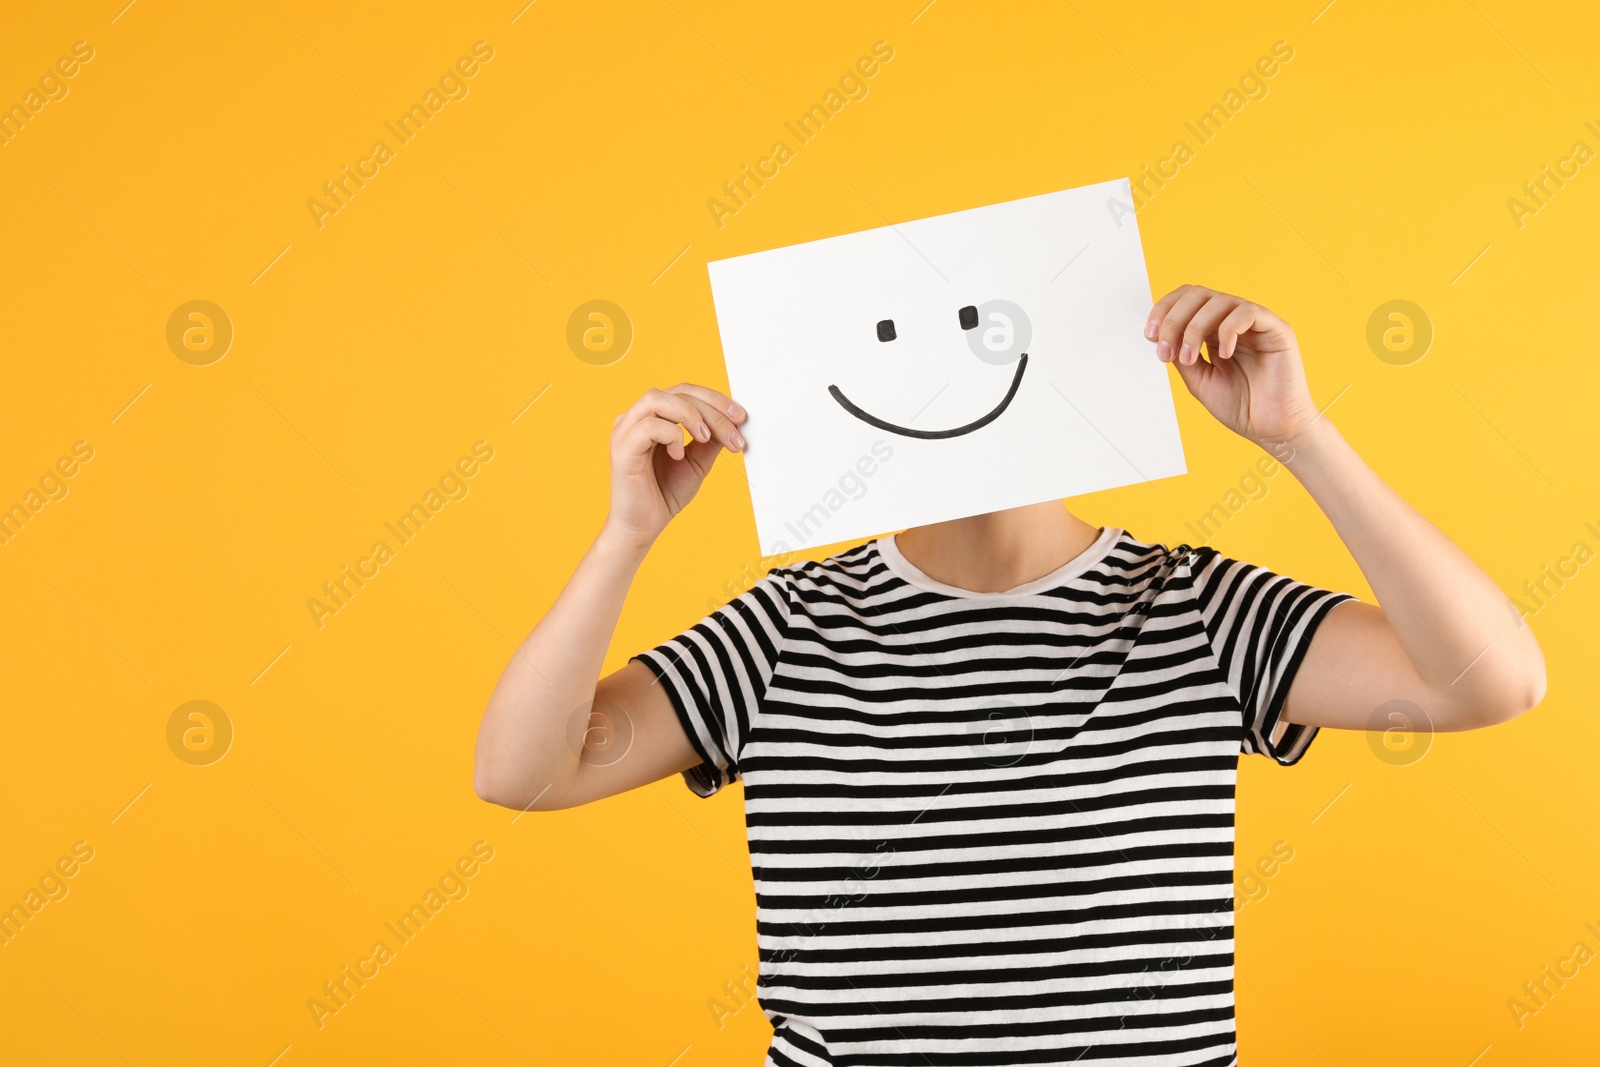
[
  {"x": 700, "y": 455},
  {"x": 1194, "y": 374}
]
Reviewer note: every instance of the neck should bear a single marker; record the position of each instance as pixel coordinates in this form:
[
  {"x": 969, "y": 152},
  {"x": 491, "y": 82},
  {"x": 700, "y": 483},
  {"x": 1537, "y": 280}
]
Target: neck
[{"x": 998, "y": 551}]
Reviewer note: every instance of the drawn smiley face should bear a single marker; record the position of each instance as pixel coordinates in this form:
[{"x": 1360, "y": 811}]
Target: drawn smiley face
[{"x": 1004, "y": 340}]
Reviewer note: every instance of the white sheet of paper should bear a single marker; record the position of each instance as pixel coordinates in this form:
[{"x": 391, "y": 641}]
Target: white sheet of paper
[{"x": 1092, "y": 408}]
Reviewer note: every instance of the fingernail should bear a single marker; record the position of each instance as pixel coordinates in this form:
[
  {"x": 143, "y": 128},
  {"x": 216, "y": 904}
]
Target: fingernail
[
  {"x": 735, "y": 412},
  {"x": 1185, "y": 354},
  {"x": 738, "y": 441},
  {"x": 1150, "y": 330},
  {"x": 1164, "y": 350},
  {"x": 705, "y": 432}
]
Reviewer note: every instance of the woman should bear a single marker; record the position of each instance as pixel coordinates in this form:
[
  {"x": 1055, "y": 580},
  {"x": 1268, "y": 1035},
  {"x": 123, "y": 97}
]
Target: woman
[{"x": 989, "y": 764}]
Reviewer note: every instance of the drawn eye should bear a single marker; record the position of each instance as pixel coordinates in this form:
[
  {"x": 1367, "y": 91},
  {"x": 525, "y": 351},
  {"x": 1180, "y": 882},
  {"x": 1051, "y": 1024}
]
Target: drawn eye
[
  {"x": 886, "y": 329},
  {"x": 969, "y": 317}
]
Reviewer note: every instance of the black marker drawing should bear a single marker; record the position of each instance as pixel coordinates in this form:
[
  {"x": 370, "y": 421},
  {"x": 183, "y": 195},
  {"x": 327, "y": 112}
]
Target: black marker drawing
[
  {"x": 1018, "y": 333},
  {"x": 934, "y": 435}
]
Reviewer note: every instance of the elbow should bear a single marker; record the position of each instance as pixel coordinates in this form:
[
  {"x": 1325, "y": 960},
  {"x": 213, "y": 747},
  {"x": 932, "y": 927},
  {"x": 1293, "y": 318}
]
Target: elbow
[
  {"x": 518, "y": 796},
  {"x": 483, "y": 783},
  {"x": 1531, "y": 694},
  {"x": 511, "y": 797},
  {"x": 1515, "y": 698},
  {"x": 1501, "y": 712},
  {"x": 489, "y": 791}
]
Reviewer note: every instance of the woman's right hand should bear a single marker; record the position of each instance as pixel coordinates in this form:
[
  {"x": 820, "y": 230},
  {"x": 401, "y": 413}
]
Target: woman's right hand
[
  {"x": 533, "y": 749},
  {"x": 654, "y": 474}
]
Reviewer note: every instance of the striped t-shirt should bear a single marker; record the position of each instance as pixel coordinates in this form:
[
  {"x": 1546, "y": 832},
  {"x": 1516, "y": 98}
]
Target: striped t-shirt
[{"x": 995, "y": 828}]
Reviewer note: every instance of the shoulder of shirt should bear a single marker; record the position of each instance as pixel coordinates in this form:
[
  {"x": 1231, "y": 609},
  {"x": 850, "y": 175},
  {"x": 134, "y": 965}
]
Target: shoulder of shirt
[
  {"x": 1173, "y": 569},
  {"x": 848, "y": 569}
]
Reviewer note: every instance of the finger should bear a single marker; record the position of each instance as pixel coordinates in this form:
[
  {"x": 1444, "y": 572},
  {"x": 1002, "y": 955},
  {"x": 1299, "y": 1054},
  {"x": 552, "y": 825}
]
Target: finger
[
  {"x": 1159, "y": 311},
  {"x": 701, "y": 454},
  {"x": 657, "y": 404},
  {"x": 722, "y": 428},
  {"x": 723, "y": 403},
  {"x": 643, "y": 436},
  {"x": 1203, "y": 325},
  {"x": 1170, "y": 331},
  {"x": 1236, "y": 322},
  {"x": 688, "y": 414}
]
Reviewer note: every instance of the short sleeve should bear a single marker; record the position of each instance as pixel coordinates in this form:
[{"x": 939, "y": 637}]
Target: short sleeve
[
  {"x": 1259, "y": 625},
  {"x": 716, "y": 674}
]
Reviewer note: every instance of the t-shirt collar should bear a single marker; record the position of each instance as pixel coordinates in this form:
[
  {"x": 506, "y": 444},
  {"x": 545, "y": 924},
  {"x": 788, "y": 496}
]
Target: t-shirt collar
[{"x": 1083, "y": 561}]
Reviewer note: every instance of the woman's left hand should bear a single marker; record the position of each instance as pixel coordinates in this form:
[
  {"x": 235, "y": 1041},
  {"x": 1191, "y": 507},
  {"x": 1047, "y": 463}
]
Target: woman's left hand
[{"x": 1253, "y": 382}]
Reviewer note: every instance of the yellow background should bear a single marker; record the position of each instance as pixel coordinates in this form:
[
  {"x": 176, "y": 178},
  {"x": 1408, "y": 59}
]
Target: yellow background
[{"x": 373, "y": 352}]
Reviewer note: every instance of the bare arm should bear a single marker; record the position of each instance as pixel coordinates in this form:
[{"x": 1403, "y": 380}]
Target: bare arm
[
  {"x": 1445, "y": 637},
  {"x": 1442, "y": 636},
  {"x": 555, "y": 734}
]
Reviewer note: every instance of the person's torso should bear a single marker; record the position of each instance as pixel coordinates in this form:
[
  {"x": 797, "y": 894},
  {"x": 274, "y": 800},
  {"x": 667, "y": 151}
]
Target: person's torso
[{"x": 994, "y": 829}]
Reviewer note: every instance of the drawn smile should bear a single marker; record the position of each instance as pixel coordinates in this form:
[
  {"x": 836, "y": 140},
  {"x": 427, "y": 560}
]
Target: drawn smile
[{"x": 934, "y": 435}]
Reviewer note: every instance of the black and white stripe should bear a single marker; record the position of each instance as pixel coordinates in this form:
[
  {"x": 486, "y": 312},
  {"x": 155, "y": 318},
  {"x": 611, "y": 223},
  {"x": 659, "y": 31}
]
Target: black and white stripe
[{"x": 995, "y": 829}]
